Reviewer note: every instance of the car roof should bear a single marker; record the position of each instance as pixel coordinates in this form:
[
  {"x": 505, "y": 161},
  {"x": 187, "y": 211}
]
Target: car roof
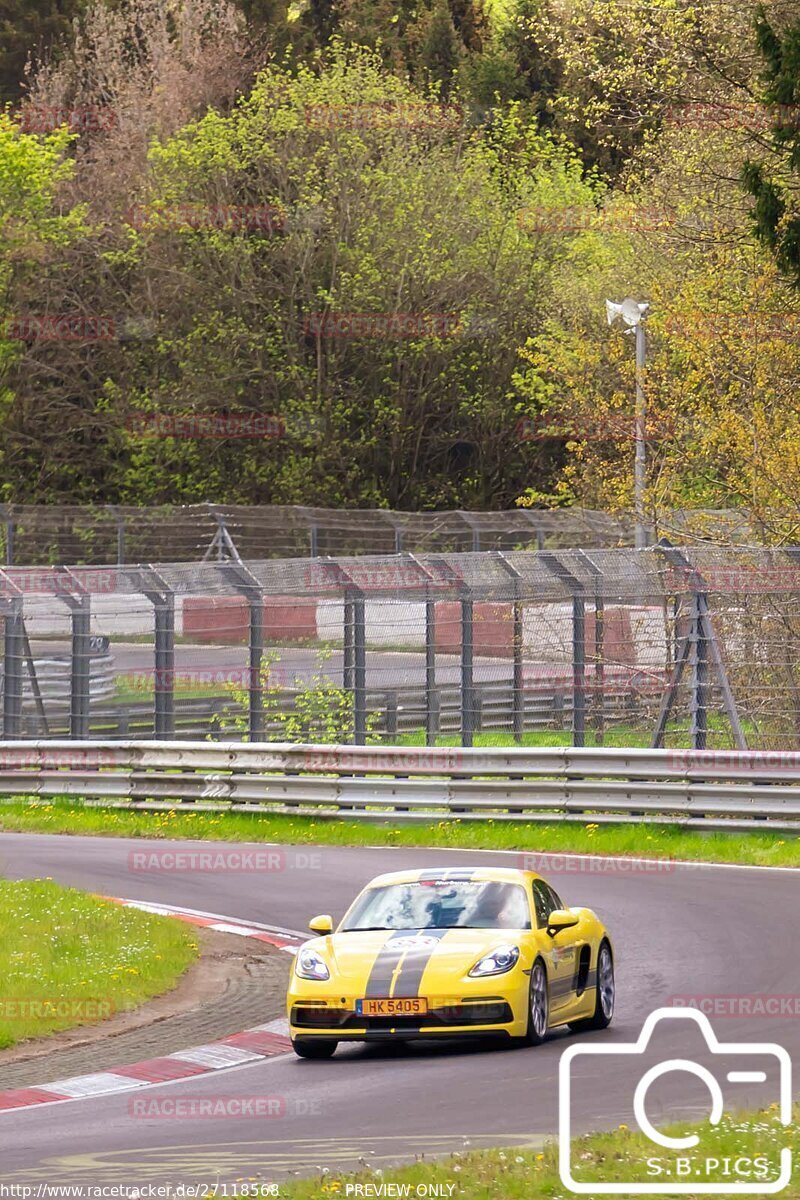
[{"x": 453, "y": 874}]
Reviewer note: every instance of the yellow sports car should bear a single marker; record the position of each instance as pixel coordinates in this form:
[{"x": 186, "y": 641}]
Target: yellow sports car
[{"x": 451, "y": 953}]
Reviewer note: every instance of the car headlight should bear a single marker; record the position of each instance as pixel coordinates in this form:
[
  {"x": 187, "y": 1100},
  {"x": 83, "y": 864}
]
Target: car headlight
[
  {"x": 498, "y": 962},
  {"x": 309, "y": 965}
]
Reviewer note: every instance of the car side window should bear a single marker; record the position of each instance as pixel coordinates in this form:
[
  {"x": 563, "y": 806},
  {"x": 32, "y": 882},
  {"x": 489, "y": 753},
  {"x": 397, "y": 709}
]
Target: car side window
[
  {"x": 555, "y": 899},
  {"x": 542, "y": 902}
]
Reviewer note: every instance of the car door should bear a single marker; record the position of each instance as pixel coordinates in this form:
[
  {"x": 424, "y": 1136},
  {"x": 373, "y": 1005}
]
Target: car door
[{"x": 559, "y": 951}]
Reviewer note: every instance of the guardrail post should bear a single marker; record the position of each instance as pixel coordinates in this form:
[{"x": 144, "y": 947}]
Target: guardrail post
[
  {"x": 359, "y": 671},
  {"x": 13, "y": 634},
  {"x": 391, "y": 716}
]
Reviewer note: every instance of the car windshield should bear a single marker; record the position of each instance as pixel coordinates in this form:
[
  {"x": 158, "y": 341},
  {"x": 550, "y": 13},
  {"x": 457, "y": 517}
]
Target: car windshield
[{"x": 441, "y": 904}]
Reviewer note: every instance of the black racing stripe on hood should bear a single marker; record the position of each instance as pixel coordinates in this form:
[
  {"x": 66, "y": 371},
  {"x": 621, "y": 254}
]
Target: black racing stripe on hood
[
  {"x": 380, "y": 977},
  {"x": 414, "y": 964}
]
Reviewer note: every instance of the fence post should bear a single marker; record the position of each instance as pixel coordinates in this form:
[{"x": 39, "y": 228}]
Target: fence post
[
  {"x": 12, "y": 667},
  {"x": 431, "y": 710},
  {"x": 359, "y": 671},
  {"x": 162, "y": 599},
  {"x": 347, "y": 640},
  {"x": 11, "y": 529},
  {"x": 164, "y": 696},
  {"x": 575, "y": 587},
  {"x": 467, "y": 686},
  {"x": 699, "y": 661},
  {"x": 517, "y": 693},
  {"x": 81, "y": 668},
  {"x": 247, "y": 585},
  {"x": 598, "y": 690}
]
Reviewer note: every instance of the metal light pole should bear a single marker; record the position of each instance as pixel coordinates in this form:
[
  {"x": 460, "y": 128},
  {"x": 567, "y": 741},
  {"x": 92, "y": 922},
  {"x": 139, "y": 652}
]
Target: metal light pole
[{"x": 633, "y": 313}]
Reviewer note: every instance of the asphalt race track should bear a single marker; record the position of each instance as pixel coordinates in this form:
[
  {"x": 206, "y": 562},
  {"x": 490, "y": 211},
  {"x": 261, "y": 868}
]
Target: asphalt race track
[{"x": 683, "y": 931}]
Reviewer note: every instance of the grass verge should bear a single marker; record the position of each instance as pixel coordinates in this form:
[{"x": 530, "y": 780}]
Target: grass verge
[
  {"x": 617, "y": 1157},
  {"x": 633, "y": 840},
  {"x": 67, "y": 958}
]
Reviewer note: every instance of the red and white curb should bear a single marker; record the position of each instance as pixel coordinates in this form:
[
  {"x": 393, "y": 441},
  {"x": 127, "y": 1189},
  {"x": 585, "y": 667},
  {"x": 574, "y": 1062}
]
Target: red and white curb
[
  {"x": 252, "y": 1045},
  {"x": 284, "y": 939}
]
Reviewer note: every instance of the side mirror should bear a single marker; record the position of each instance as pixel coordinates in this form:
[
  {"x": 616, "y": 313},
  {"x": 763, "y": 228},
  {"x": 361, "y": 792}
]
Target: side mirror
[
  {"x": 321, "y": 925},
  {"x": 561, "y": 918}
]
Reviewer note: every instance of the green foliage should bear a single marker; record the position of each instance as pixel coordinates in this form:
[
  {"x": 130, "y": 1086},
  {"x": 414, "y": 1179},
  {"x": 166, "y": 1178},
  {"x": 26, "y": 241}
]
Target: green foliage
[{"x": 313, "y": 710}]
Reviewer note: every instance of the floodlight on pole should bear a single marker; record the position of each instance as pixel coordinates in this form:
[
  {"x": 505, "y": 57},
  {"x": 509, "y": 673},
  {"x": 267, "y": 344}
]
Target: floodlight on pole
[{"x": 633, "y": 313}]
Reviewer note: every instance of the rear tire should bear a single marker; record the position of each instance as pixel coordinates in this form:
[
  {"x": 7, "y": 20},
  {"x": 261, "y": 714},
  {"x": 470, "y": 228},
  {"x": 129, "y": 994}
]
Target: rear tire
[
  {"x": 314, "y": 1047},
  {"x": 538, "y": 1006},
  {"x": 605, "y": 993}
]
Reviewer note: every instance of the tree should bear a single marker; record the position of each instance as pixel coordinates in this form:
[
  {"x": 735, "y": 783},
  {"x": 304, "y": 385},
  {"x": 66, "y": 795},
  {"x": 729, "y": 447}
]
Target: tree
[
  {"x": 30, "y": 28},
  {"x": 34, "y": 227},
  {"x": 776, "y": 189},
  {"x": 441, "y": 50},
  {"x": 387, "y": 207}
]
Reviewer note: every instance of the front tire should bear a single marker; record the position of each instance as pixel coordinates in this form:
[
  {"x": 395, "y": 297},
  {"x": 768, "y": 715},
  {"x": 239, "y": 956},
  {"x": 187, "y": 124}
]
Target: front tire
[
  {"x": 605, "y": 993},
  {"x": 538, "y": 1006},
  {"x": 314, "y": 1047}
]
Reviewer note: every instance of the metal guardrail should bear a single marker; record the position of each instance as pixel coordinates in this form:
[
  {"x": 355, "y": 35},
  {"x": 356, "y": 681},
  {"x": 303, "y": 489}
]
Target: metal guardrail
[
  {"x": 396, "y": 710},
  {"x": 728, "y": 790}
]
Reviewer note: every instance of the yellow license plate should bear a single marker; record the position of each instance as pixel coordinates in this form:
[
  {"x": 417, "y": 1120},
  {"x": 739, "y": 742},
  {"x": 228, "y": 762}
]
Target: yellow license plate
[{"x": 392, "y": 1006}]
